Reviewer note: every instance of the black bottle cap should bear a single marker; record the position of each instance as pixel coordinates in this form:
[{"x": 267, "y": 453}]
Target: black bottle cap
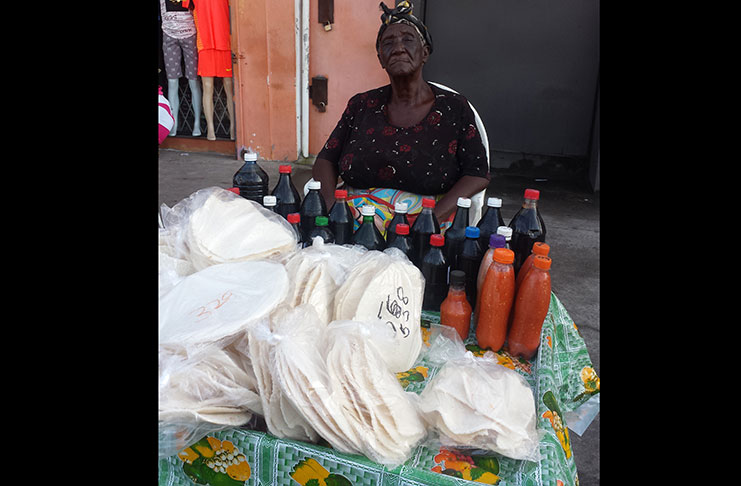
[{"x": 457, "y": 277}]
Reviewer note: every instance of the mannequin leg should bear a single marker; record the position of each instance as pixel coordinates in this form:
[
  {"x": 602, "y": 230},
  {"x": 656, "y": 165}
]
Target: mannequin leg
[
  {"x": 173, "y": 96},
  {"x": 195, "y": 96},
  {"x": 208, "y": 106},
  {"x": 229, "y": 90}
]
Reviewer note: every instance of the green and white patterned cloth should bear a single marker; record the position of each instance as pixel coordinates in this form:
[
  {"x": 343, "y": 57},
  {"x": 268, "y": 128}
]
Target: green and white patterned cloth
[{"x": 562, "y": 379}]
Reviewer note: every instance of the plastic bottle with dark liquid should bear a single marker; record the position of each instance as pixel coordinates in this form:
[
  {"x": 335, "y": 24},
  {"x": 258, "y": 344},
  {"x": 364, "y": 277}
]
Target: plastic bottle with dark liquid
[
  {"x": 312, "y": 206},
  {"x": 425, "y": 225},
  {"x": 367, "y": 234},
  {"x": 434, "y": 269},
  {"x": 286, "y": 194},
  {"x": 456, "y": 234},
  {"x": 527, "y": 228},
  {"x": 402, "y": 241},
  {"x": 295, "y": 220},
  {"x": 340, "y": 218},
  {"x": 250, "y": 179},
  {"x": 400, "y": 216},
  {"x": 490, "y": 221},
  {"x": 321, "y": 228},
  {"x": 469, "y": 260}
]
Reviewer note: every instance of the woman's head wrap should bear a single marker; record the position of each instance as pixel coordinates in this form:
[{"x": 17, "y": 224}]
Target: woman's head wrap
[{"x": 403, "y": 14}]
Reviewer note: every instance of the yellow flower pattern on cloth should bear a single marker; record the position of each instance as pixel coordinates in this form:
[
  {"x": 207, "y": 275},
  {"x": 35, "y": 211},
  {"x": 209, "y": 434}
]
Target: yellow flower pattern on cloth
[
  {"x": 416, "y": 374},
  {"x": 554, "y": 416},
  {"x": 212, "y": 461},
  {"x": 310, "y": 473}
]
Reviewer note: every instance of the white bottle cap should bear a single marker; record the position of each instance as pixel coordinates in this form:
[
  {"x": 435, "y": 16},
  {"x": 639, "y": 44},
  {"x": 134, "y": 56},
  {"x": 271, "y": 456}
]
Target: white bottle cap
[
  {"x": 505, "y": 231},
  {"x": 315, "y": 185},
  {"x": 494, "y": 202},
  {"x": 269, "y": 200},
  {"x": 367, "y": 210},
  {"x": 250, "y": 156},
  {"x": 464, "y": 202},
  {"x": 401, "y": 207}
]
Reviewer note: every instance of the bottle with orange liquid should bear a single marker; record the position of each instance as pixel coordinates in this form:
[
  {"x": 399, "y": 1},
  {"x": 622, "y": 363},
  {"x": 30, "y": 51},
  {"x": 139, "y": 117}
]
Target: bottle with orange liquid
[
  {"x": 455, "y": 311},
  {"x": 530, "y": 309},
  {"x": 495, "y": 241},
  {"x": 539, "y": 248},
  {"x": 497, "y": 297}
]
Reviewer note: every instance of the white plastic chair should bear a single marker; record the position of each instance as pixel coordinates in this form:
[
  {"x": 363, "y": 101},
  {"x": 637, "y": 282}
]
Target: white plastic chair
[{"x": 477, "y": 200}]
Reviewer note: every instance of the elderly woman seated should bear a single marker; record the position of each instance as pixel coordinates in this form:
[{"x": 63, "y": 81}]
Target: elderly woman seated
[{"x": 407, "y": 139}]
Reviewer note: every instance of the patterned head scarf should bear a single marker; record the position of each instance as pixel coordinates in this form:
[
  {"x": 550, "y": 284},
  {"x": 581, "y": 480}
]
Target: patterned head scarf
[{"x": 403, "y": 14}]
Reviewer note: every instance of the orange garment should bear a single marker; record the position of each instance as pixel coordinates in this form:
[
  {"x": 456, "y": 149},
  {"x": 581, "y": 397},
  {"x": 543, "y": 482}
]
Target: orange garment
[
  {"x": 212, "y": 23},
  {"x": 215, "y": 63}
]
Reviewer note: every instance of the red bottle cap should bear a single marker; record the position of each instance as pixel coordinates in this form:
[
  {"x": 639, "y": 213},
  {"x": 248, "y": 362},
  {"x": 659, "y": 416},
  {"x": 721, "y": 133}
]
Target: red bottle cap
[
  {"x": 293, "y": 218},
  {"x": 428, "y": 202},
  {"x": 542, "y": 262},
  {"x": 340, "y": 193},
  {"x": 402, "y": 229},
  {"x": 437, "y": 239},
  {"x": 532, "y": 194},
  {"x": 541, "y": 248},
  {"x": 235, "y": 190},
  {"x": 284, "y": 169}
]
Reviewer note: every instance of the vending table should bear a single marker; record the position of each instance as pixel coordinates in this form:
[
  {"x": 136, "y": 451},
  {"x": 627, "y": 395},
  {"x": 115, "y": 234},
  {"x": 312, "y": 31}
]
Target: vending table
[{"x": 563, "y": 382}]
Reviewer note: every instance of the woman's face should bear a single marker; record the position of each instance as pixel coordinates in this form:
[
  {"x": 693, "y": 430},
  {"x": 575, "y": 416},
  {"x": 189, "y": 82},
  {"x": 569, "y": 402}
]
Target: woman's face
[{"x": 401, "y": 51}]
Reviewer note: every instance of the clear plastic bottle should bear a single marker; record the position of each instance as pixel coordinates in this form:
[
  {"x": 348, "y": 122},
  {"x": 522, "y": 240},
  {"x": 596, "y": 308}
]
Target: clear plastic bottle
[
  {"x": 456, "y": 234},
  {"x": 402, "y": 241},
  {"x": 312, "y": 206},
  {"x": 469, "y": 261},
  {"x": 321, "y": 228},
  {"x": 434, "y": 269},
  {"x": 455, "y": 311},
  {"x": 491, "y": 220},
  {"x": 251, "y": 180},
  {"x": 425, "y": 225},
  {"x": 497, "y": 297},
  {"x": 527, "y": 227},
  {"x": 340, "y": 218},
  {"x": 270, "y": 203},
  {"x": 285, "y": 192},
  {"x": 367, "y": 234},
  {"x": 530, "y": 309},
  {"x": 400, "y": 217}
]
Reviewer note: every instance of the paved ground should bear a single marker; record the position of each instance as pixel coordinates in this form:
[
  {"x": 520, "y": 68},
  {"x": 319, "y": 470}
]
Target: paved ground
[{"x": 571, "y": 212}]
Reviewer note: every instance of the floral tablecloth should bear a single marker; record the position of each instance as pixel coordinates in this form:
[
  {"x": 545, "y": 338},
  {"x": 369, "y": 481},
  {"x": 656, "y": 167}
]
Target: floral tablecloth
[{"x": 562, "y": 379}]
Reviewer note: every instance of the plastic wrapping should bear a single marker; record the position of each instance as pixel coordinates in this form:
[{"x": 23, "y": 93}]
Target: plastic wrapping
[
  {"x": 214, "y": 226},
  {"x": 477, "y": 403},
  {"x": 382, "y": 415},
  {"x": 206, "y": 378},
  {"x": 316, "y": 272},
  {"x": 386, "y": 286},
  {"x": 299, "y": 367}
]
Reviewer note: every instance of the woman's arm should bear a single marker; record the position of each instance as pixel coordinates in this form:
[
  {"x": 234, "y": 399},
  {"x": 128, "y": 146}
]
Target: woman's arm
[
  {"x": 325, "y": 172},
  {"x": 466, "y": 186}
]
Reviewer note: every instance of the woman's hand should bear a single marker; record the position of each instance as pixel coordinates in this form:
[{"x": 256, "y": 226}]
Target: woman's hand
[{"x": 466, "y": 186}]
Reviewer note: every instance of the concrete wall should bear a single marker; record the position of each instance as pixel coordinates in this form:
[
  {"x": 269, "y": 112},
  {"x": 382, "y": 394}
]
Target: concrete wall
[{"x": 529, "y": 67}]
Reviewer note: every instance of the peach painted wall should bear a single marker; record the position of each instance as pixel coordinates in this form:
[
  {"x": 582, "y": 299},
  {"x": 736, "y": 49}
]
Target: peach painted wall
[
  {"x": 265, "y": 90},
  {"x": 263, "y": 40},
  {"x": 346, "y": 55}
]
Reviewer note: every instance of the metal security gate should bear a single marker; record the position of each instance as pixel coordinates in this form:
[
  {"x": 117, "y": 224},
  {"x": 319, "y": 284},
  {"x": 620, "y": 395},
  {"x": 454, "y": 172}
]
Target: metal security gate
[{"x": 186, "y": 117}]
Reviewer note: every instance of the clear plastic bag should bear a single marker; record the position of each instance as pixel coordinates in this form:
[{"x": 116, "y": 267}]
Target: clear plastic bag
[
  {"x": 370, "y": 397},
  {"x": 386, "y": 286},
  {"x": 476, "y": 403},
  {"x": 213, "y": 226}
]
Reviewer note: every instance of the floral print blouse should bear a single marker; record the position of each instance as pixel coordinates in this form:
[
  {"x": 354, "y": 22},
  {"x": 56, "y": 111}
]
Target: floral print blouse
[{"x": 427, "y": 158}]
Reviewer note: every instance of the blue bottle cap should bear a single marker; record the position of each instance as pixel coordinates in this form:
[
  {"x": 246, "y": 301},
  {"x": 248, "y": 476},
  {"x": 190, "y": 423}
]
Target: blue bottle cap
[{"x": 472, "y": 232}]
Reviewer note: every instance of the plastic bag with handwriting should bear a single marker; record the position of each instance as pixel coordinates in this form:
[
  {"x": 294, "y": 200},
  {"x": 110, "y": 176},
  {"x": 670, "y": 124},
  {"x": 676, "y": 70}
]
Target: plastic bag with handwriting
[{"x": 386, "y": 286}]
